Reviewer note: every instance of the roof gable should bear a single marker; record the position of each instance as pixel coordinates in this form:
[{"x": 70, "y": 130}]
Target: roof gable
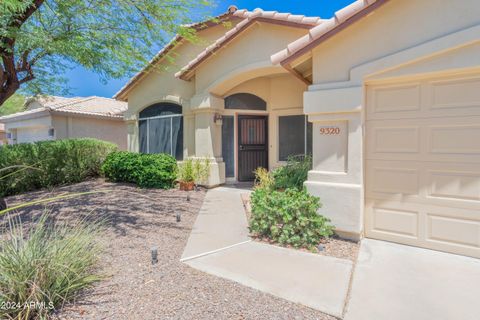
[
  {"x": 249, "y": 18},
  {"x": 341, "y": 19},
  {"x": 199, "y": 26}
]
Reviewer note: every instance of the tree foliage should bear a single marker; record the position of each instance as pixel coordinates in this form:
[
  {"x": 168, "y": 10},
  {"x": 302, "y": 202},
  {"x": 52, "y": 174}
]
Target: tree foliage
[
  {"x": 40, "y": 38},
  {"x": 13, "y": 104}
]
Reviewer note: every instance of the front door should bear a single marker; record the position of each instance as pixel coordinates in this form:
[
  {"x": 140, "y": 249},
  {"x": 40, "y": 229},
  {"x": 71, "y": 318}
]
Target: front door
[{"x": 252, "y": 145}]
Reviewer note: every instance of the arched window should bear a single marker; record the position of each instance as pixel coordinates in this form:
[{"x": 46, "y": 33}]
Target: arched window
[
  {"x": 246, "y": 101},
  {"x": 161, "y": 129}
]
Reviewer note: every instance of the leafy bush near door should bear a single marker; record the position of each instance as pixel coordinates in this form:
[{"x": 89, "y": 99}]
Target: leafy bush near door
[
  {"x": 145, "y": 170},
  {"x": 282, "y": 209},
  {"x": 293, "y": 174},
  {"x": 288, "y": 217},
  {"x": 30, "y": 166}
]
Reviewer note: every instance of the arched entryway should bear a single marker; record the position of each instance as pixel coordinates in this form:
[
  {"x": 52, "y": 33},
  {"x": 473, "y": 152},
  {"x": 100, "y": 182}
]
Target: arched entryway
[{"x": 161, "y": 129}]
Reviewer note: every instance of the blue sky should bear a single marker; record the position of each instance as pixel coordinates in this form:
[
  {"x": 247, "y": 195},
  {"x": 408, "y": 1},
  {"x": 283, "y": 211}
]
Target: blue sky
[{"x": 85, "y": 83}]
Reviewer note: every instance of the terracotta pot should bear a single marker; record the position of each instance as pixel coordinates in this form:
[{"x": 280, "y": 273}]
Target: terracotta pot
[{"x": 187, "y": 185}]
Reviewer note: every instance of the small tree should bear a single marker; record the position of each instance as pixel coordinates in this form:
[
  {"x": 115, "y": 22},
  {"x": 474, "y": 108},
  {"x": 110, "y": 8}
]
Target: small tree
[{"x": 40, "y": 38}]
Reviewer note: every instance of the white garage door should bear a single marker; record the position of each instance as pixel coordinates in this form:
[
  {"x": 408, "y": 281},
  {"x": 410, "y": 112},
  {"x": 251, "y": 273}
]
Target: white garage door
[
  {"x": 32, "y": 134},
  {"x": 423, "y": 163}
]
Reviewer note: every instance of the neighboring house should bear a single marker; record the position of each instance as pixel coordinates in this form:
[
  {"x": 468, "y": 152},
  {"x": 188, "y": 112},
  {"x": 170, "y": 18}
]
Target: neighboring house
[
  {"x": 54, "y": 118},
  {"x": 3, "y": 134},
  {"x": 391, "y": 88}
]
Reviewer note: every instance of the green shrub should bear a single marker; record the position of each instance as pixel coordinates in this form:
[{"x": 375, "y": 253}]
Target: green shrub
[
  {"x": 194, "y": 170},
  {"x": 50, "y": 163},
  {"x": 46, "y": 267},
  {"x": 263, "y": 179},
  {"x": 145, "y": 170},
  {"x": 288, "y": 218},
  {"x": 293, "y": 174}
]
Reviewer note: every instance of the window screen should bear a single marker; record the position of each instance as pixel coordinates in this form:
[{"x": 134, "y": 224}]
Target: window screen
[
  {"x": 295, "y": 136},
  {"x": 161, "y": 130}
]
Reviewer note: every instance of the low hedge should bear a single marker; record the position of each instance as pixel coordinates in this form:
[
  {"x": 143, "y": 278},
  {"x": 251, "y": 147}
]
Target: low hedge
[
  {"x": 145, "y": 170},
  {"x": 30, "y": 166},
  {"x": 288, "y": 217}
]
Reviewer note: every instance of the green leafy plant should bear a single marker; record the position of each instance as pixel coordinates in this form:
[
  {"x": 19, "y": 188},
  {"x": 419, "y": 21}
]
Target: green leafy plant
[
  {"x": 194, "y": 170},
  {"x": 288, "y": 218},
  {"x": 293, "y": 174},
  {"x": 45, "y": 264},
  {"x": 50, "y": 163},
  {"x": 263, "y": 178},
  {"x": 145, "y": 170}
]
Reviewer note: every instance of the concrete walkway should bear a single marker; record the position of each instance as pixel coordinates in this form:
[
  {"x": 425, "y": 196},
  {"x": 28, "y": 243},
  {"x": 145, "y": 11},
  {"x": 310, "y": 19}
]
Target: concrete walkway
[
  {"x": 219, "y": 245},
  {"x": 398, "y": 282}
]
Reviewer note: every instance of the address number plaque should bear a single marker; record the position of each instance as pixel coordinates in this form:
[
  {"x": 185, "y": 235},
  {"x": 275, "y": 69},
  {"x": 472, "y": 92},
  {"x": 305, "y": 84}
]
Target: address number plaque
[{"x": 329, "y": 130}]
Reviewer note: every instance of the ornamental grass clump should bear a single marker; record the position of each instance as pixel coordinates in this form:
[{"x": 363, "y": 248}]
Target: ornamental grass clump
[{"x": 46, "y": 265}]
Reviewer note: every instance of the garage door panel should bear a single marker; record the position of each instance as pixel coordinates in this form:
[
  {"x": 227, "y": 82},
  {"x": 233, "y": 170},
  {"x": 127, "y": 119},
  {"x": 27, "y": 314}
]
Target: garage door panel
[
  {"x": 395, "y": 180},
  {"x": 455, "y": 185},
  {"x": 395, "y": 98},
  {"x": 422, "y": 164},
  {"x": 440, "y": 228},
  {"x": 425, "y": 99},
  {"x": 454, "y": 139},
  {"x": 396, "y": 139},
  {"x": 453, "y": 230},
  {"x": 443, "y": 183},
  {"x": 455, "y": 94},
  {"x": 395, "y": 221}
]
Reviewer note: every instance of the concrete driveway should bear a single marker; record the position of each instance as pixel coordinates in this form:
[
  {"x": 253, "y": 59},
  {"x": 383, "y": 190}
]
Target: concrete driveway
[
  {"x": 394, "y": 281},
  {"x": 389, "y": 282}
]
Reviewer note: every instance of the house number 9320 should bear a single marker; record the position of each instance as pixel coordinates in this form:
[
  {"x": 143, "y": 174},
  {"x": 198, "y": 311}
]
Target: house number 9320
[{"x": 330, "y": 130}]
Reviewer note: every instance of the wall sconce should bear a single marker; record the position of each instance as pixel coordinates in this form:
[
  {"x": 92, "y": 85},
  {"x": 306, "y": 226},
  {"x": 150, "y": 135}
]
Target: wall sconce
[{"x": 217, "y": 118}]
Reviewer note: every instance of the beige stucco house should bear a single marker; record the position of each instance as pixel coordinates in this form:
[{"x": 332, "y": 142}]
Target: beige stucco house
[
  {"x": 54, "y": 118},
  {"x": 391, "y": 91}
]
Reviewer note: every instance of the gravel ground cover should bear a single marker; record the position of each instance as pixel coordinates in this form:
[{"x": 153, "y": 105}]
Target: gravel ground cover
[{"x": 136, "y": 221}]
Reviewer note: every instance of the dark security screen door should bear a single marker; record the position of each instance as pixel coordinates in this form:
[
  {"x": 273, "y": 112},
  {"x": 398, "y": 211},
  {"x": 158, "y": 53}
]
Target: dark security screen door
[{"x": 252, "y": 145}]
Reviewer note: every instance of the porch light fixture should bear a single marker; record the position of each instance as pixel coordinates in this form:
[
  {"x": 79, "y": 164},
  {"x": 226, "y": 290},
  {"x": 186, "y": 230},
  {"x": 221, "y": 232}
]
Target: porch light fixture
[
  {"x": 217, "y": 118},
  {"x": 179, "y": 217}
]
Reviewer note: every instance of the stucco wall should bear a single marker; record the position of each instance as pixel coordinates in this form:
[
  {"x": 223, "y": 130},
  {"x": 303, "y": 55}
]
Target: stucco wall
[
  {"x": 406, "y": 38},
  {"x": 397, "y": 25},
  {"x": 76, "y": 127}
]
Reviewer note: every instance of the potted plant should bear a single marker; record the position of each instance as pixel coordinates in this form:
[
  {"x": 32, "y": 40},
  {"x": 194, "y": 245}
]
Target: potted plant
[{"x": 193, "y": 171}]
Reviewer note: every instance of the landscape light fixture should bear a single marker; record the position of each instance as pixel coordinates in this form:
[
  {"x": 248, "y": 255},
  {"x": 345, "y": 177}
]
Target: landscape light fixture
[{"x": 154, "y": 252}]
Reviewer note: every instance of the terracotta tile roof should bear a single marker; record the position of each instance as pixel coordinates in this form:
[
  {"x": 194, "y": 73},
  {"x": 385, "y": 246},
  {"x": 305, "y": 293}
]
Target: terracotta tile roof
[
  {"x": 91, "y": 106},
  {"x": 341, "y": 18},
  {"x": 167, "y": 48},
  {"x": 248, "y": 17}
]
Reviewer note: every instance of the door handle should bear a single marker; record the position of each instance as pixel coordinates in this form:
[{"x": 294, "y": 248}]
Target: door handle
[{"x": 242, "y": 148}]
